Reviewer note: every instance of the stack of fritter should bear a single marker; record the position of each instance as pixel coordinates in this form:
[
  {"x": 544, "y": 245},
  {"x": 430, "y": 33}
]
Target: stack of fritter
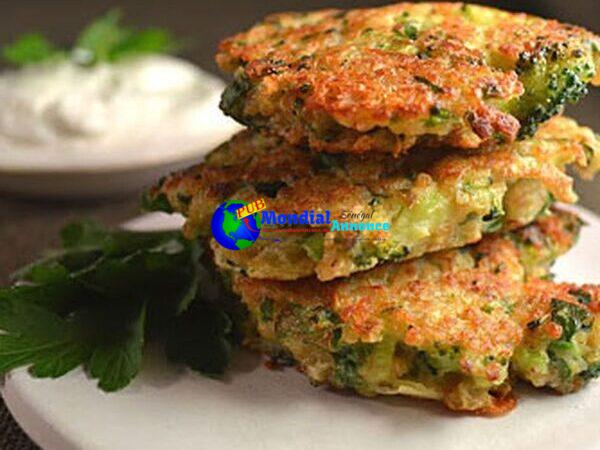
[{"x": 437, "y": 119}]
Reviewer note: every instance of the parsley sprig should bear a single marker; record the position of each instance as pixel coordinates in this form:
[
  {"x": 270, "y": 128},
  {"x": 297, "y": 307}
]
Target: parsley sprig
[
  {"x": 98, "y": 300},
  {"x": 103, "y": 40}
]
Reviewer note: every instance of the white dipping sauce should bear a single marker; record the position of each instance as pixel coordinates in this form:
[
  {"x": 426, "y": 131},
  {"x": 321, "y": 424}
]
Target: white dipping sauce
[{"x": 62, "y": 106}]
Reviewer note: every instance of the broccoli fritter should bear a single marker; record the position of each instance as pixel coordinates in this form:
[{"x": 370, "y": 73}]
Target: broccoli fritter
[
  {"x": 451, "y": 326},
  {"x": 432, "y": 200},
  {"x": 385, "y": 79}
]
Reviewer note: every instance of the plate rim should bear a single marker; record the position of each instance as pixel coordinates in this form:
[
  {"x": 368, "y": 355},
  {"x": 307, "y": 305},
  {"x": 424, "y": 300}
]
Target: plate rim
[{"x": 48, "y": 437}]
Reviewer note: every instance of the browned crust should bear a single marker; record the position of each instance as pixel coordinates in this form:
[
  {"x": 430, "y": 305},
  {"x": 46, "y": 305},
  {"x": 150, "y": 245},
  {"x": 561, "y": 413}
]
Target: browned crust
[
  {"x": 232, "y": 171},
  {"x": 357, "y": 73},
  {"x": 478, "y": 299}
]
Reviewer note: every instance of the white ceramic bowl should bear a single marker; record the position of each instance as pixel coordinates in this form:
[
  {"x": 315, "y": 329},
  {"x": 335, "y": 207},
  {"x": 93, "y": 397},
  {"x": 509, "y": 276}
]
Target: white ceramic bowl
[{"x": 64, "y": 175}]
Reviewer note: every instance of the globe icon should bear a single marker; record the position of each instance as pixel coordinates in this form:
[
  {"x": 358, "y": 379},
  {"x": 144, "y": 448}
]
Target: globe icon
[{"x": 231, "y": 232}]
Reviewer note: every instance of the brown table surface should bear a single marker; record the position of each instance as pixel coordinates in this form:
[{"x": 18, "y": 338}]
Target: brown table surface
[{"x": 27, "y": 227}]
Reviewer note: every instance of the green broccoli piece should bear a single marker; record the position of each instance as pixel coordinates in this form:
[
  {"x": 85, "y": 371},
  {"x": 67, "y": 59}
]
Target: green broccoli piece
[
  {"x": 566, "y": 356},
  {"x": 233, "y": 97},
  {"x": 552, "y": 77},
  {"x": 564, "y": 364},
  {"x": 348, "y": 361},
  {"x": 570, "y": 317}
]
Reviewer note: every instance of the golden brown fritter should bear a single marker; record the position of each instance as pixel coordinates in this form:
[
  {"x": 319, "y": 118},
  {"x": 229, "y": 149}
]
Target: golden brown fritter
[
  {"x": 384, "y": 79},
  {"x": 449, "y": 326},
  {"x": 432, "y": 201}
]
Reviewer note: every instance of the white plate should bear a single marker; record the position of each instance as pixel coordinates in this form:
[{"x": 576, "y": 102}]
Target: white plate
[
  {"x": 69, "y": 174},
  {"x": 169, "y": 408}
]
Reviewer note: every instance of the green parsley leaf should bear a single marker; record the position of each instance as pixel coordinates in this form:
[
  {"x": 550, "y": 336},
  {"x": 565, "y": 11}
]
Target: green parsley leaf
[
  {"x": 152, "y": 40},
  {"x": 94, "y": 302},
  {"x": 37, "y": 337},
  {"x": 201, "y": 339},
  {"x": 204, "y": 336},
  {"x": 30, "y": 48},
  {"x": 117, "y": 360},
  {"x": 106, "y": 40},
  {"x": 51, "y": 345},
  {"x": 96, "y": 41},
  {"x": 152, "y": 202},
  {"x": 103, "y": 40},
  {"x": 82, "y": 234}
]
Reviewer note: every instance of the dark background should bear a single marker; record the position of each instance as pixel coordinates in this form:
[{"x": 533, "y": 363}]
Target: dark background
[
  {"x": 205, "y": 22},
  {"x": 27, "y": 227}
]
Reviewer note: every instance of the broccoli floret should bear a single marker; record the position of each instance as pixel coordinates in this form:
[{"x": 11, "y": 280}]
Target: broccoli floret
[
  {"x": 440, "y": 361},
  {"x": 563, "y": 363},
  {"x": 593, "y": 371},
  {"x": 551, "y": 77},
  {"x": 314, "y": 246},
  {"x": 234, "y": 96},
  {"x": 570, "y": 317},
  {"x": 438, "y": 116},
  {"x": 364, "y": 258},
  {"x": 566, "y": 355},
  {"x": 348, "y": 361}
]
